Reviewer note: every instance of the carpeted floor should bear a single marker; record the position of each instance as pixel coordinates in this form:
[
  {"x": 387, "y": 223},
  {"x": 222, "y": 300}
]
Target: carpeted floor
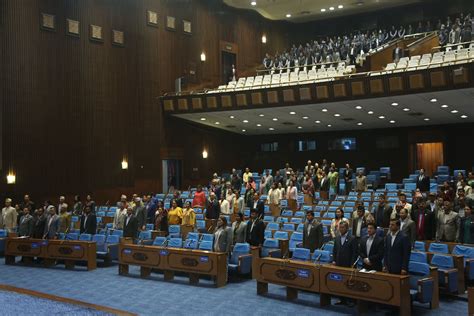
[{"x": 154, "y": 296}]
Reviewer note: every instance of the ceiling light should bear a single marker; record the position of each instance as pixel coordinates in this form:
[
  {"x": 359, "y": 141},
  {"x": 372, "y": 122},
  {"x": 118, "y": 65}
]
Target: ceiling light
[
  {"x": 317, "y": 122},
  {"x": 340, "y": 6},
  {"x": 292, "y": 113},
  {"x": 360, "y": 124},
  {"x": 275, "y": 119},
  {"x": 245, "y": 121},
  {"x": 254, "y": 3},
  {"x": 329, "y": 125},
  {"x": 300, "y": 127},
  {"x": 433, "y": 100},
  {"x": 259, "y": 125},
  {"x": 370, "y": 112},
  {"x": 271, "y": 129},
  {"x": 358, "y": 107},
  {"x": 394, "y": 104},
  {"x": 463, "y": 116},
  {"x": 203, "y": 118},
  {"x": 203, "y": 56},
  {"x": 381, "y": 117},
  {"x": 323, "y": 10},
  {"x": 244, "y": 130},
  {"x": 261, "y": 115},
  {"x": 231, "y": 116},
  {"x": 444, "y": 106},
  {"x": 392, "y": 122},
  {"x": 331, "y": 8},
  {"x": 337, "y": 115},
  {"x": 217, "y": 123},
  {"x": 454, "y": 111},
  {"x": 264, "y": 39},
  {"x": 426, "y": 119},
  {"x": 305, "y": 117},
  {"x": 288, "y": 15},
  {"x": 324, "y": 110},
  {"x": 406, "y": 109}
]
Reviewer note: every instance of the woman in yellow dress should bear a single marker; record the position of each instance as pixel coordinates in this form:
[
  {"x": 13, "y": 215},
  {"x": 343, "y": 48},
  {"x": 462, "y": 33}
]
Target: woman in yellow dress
[
  {"x": 189, "y": 216},
  {"x": 175, "y": 214}
]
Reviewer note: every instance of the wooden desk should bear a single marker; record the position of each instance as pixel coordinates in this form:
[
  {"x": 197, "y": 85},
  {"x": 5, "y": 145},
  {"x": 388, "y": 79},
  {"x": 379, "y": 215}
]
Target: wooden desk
[
  {"x": 295, "y": 275},
  {"x": 470, "y": 300},
  {"x": 170, "y": 260},
  {"x": 51, "y": 250},
  {"x": 377, "y": 287}
]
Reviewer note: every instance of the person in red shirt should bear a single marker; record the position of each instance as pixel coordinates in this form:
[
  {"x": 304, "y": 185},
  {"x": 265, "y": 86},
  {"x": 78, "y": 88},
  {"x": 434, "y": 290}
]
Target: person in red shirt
[{"x": 199, "y": 199}]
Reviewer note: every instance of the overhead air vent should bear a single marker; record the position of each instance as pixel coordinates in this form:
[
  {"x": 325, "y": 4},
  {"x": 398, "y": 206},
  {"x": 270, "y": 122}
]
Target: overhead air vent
[
  {"x": 348, "y": 119},
  {"x": 230, "y": 126},
  {"x": 304, "y": 12},
  {"x": 416, "y": 114},
  {"x": 288, "y": 123}
]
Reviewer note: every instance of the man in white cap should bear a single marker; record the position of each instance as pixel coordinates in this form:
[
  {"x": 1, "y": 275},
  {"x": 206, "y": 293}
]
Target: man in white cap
[{"x": 9, "y": 216}]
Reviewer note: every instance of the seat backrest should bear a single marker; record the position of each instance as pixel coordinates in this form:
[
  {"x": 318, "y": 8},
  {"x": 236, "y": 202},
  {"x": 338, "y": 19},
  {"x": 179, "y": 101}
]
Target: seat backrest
[
  {"x": 438, "y": 248},
  {"x": 201, "y": 224},
  {"x": 193, "y": 236},
  {"x": 240, "y": 249},
  {"x": 99, "y": 239},
  {"x": 145, "y": 234},
  {"x": 3, "y": 233},
  {"x": 280, "y": 235},
  {"x": 207, "y": 237},
  {"x": 190, "y": 243},
  {"x": 297, "y": 236},
  {"x": 300, "y": 228},
  {"x": 442, "y": 261},
  {"x": 269, "y": 244},
  {"x": 159, "y": 241},
  {"x": 288, "y": 213},
  {"x": 420, "y": 246},
  {"x": 205, "y": 245},
  {"x": 419, "y": 256},
  {"x": 289, "y": 226},
  {"x": 467, "y": 252},
  {"x": 72, "y": 236},
  {"x": 118, "y": 232},
  {"x": 176, "y": 242},
  {"x": 328, "y": 247},
  {"x": 113, "y": 239},
  {"x": 417, "y": 270},
  {"x": 301, "y": 254},
  {"x": 323, "y": 255},
  {"x": 85, "y": 237},
  {"x": 268, "y": 218},
  {"x": 174, "y": 229}
]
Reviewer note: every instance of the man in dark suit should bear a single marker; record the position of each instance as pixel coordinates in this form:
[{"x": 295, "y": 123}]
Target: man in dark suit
[
  {"x": 27, "y": 223},
  {"x": 324, "y": 187},
  {"x": 312, "y": 232},
  {"x": 371, "y": 249},
  {"x": 139, "y": 211},
  {"x": 397, "y": 250},
  {"x": 425, "y": 220},
  {"x": 52, "y": 224},
  {"x": 40, "y": 223},
  {"x": 257, "y": 204},
  {"x": 382, "y": 213},
  {"x": 407, "y": 226},
  {"x": 423, "y": 181},
  {"x": 348, "y": 178},
  {"x": 255, "y": 229},
  {"x": 397, "y": 54},
  {"x": 88, "y": 222},
  {"x": 213, "y": 209},
  {"x": 130, "y": 226}
]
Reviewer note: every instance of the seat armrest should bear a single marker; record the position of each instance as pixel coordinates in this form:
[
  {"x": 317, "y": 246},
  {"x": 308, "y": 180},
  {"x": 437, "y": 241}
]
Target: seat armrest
[
  {"x": 245, "y": 264},
  {"x": 113, "y": 251},
  {"x": 275, "y": 253},
  {"x": 425, "y": 290}
]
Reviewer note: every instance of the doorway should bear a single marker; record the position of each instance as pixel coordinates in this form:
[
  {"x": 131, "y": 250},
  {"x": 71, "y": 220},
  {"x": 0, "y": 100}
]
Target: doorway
[
  {"x": 229, "y": 60},
  {"x": 171, "y": 174},
  {"x": 429, "y": 156}
]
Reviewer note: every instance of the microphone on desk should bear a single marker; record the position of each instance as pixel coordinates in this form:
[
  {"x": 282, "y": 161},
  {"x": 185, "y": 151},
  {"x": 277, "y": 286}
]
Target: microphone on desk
[
  {"x": 355, "y": 262},
  {"x": 165, "y": 243},
  {"x": 190, "y": 243},
  {"x": 317, "y": 258}
]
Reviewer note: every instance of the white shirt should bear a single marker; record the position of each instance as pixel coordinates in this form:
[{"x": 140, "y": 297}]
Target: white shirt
[
  {"x": 225, "y": 209},
  {"x": 393, "y": 236},
  {"x": 343, "y": 238},
  {"x": 370, "y": 240},
  {"x": 403, "y": 223},
  {"x": 359, "y": 226},
  {"x": 274, "y": 196}
]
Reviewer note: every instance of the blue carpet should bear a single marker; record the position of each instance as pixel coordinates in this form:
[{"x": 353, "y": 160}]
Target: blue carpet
[{"x": 153, "y": 296}]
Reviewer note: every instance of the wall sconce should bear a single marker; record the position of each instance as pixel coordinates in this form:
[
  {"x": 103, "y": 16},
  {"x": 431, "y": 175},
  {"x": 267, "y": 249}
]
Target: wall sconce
[
  {"x": 11, "y": 178},
  {"x": 124, "y": 164},
  {"x": 204, "y": 154},
  {"x": 203, "y": 56},
  {"x": 264, "y": 39}
]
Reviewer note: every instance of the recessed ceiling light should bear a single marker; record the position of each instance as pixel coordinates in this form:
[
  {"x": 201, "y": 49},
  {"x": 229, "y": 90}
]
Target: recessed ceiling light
[
  {"x": 360, "y": 124},
  {"x": 406, "y": 109},
  {"x": 259, "y": 125},
  {"x": 231, "y": 116},
  {"x": 288, "y": 15},
  {"x": 329, "y": 125},
  {"x": 331, "y": 8},
  {"x": 426, "y": 119},
  {"x": 317, "y": 122},
  {"x": 454, "y": 111},
  {"x": 300, "y": 127},
  {"x": 394, "y": 104},
  {"x": 463, "y": 116},
  {"x": 370, "y": 112},
  {"x": 324, "y": 110},
  {"x": 358, "y": 107},
  {"x": 253, "y": 3},
  {"x": 203, "y": 118},
  {"x": 433, "y": 100},
  {"x": 244, "y": 130},
  {"x": 392, "y": 122},
  {"x": 337, "y": 115},
  {"x": 262, "y": 115},
  {"x": 271, "y": 129},
  {"x": 292, "y": 113},
  {"x": 305, "y": 117},
  {"x": 340, "y": 6},
  {"x": 323, "y": 10},
  {"x": 381, "y": 117},
  {"x": 444, "y": 106},
  {"x": 245, "y": 121},
  {"x": 275, "y": 119},
  {"x": 217, "y": 123}
]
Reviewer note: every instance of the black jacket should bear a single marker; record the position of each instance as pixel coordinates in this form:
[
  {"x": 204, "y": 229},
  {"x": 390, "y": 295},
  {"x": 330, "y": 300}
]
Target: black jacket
[
  {"x": 423, "y": 184},
  {"x": 255, "y": 237},
  {"x": 471, "y": 230},
  {"x": 131, "y": 229},
  {"x": 345, "y": 254},
  {"x": 91, "y": 224},
  {"x": 429, "y": 224},
  {"x": 376, "y": 253},
  {"x": 213, "y": 209},
  {"x": 396, "y": 257},
  {"x": 260, "y": 207},
  {"x": 38, "y": 230}
]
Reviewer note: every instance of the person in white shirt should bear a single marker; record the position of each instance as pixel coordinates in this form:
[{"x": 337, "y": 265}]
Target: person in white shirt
[
  {"x": 225, "y": 206},
  {"x": 291, "y": 196},
  {"x": 273, "y": 200},
  {"x": 247, "y": 174},
  {"x": 230, "y": 197},
  {"x": 119, "y": 218},
  {"x": 9, "y": 217}
]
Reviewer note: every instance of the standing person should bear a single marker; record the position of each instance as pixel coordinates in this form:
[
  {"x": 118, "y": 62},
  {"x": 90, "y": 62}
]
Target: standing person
[
  {"x": 52, "y": 224},
  {"x": 213, "y": 208},
  {"x": 323, "y": 186},
  {"x": 372, "y": 249},
  {"x": 130, "y": 226},
  {"x": 266, "y": 184},
  {"x": 425, "y": 220},
  {"x": 273, "y": 200},
  {"x": 407, "y": 226},
  {"x": 397, "y": 250},
  {"x": 382, "y": 213},
  {"x": 225, "y": 206},
  {"x": 64, "y": 219},
  {"x": 161, "y": 218},
  {"x": 466, "y": 227},
  {"x": 359, "y": 223},
  {"x": 258, "y": 205},
  {"x": 255, "y": 229},
  {"x": 88, "y": 222},
  {"x": 361, "y": 182},
  {"x": 9, "y": 216},
  {"x": 77, "y": 207},
  {"x": 423, "y": 181},
  {"x": 175, "y": 214},
  {"x": 448, "y": 224},
  {"x": 247, "y": 174},
  {"x": 27, "y": 224},
  {"x": 238, "y": 202},
  {"x": 39, "y": 223},
  {"x": 333, "y": 182},
  {"x": 27, "y": 202},
  {"x": 139, "y": 211},
  {"x": 292, "y": 195},
  {"x": 338, "y": 218},
  {"x": 239, "y": 229},
  {"x": 119, "y": 216},
  {"x": 308, "y": 190},
  {"x": 348, "y": 178},
  {"x": 222, "y": 236},
  {"x": 199, "y": 199},
  {"x": 90, "y": 202},
  {"x": 312, "y": 232},
  {"x": 189, "y": 216}
]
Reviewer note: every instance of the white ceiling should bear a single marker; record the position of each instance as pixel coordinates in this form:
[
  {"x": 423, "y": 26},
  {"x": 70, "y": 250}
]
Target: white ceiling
[
  {"x": 308, "y": 10},
  {"x": 461, "y": 100}
]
